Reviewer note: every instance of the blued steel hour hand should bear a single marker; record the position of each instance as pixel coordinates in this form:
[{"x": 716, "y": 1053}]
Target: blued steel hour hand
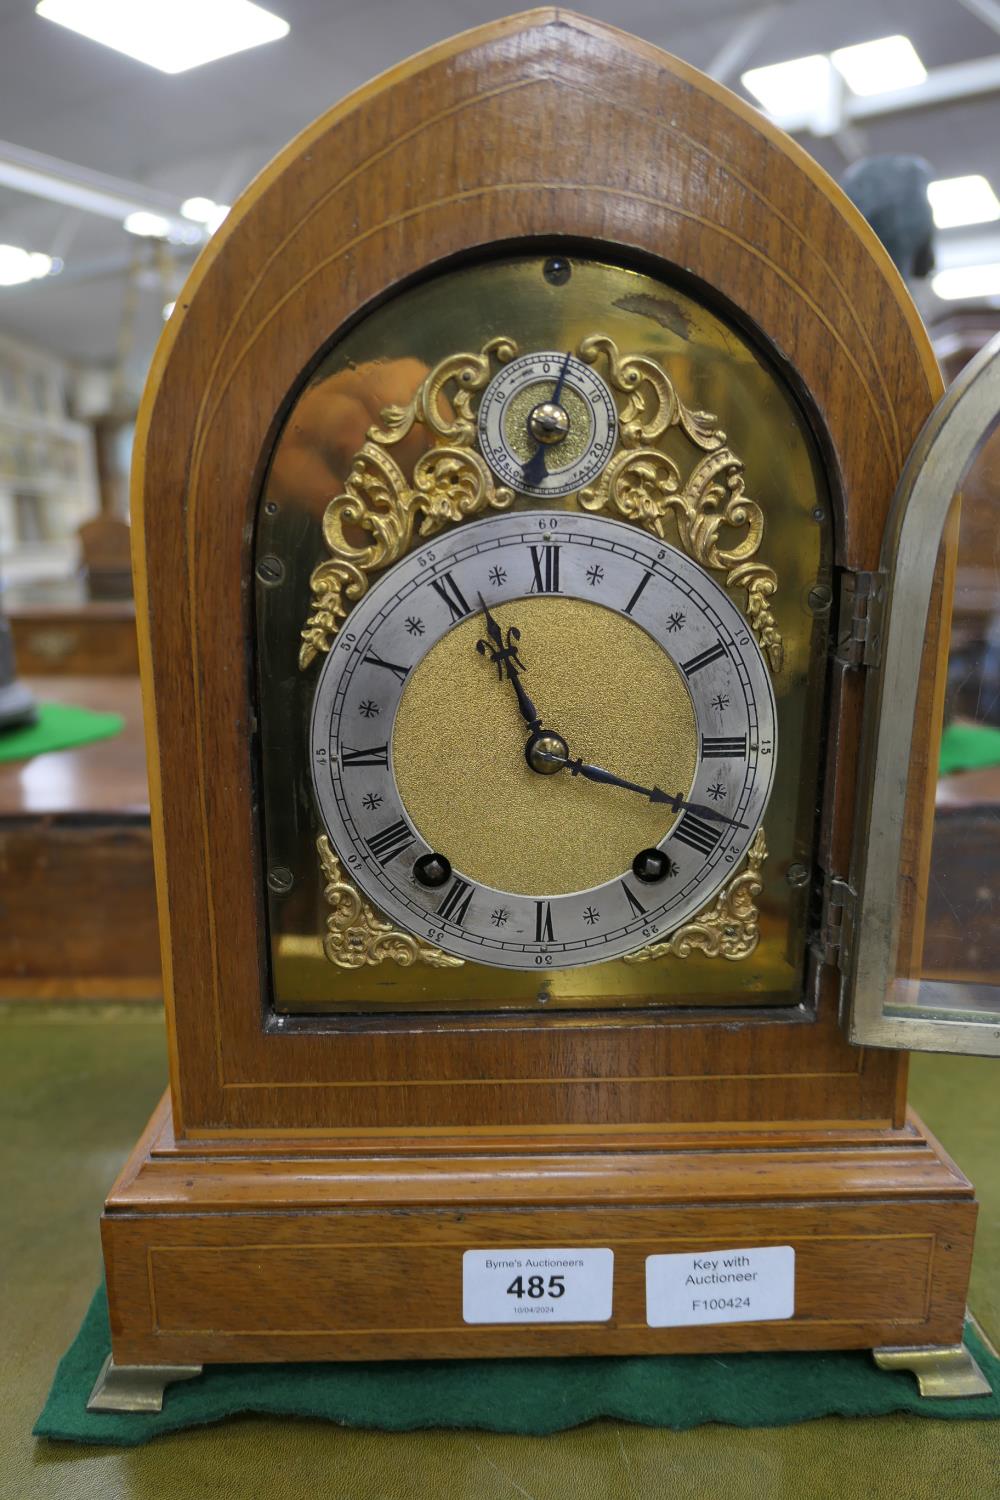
[
  {"x": 608, "y": 778},
  {"x": 503, "y": 655}
]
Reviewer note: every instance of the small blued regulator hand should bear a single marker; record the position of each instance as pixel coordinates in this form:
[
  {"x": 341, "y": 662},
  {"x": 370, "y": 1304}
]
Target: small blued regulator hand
[
  {"x": 504, "y": 656},
  {"x": 608, "y": 778},
  {"x": 534, "y": 469}
]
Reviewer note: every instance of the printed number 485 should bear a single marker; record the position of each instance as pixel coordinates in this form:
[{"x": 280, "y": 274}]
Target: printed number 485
[{"x": 535, "y": 1287}]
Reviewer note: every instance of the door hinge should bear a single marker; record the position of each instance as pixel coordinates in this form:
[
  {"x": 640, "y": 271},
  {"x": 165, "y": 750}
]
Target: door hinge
[
  {"x": 859, "y": 635},
  {"x": 832, "y": 943}
]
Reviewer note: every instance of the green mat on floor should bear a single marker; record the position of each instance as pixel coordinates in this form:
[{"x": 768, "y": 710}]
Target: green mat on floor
[
  {"x": 535, "y": 1396},
  {"x": 58, "y": 727}
]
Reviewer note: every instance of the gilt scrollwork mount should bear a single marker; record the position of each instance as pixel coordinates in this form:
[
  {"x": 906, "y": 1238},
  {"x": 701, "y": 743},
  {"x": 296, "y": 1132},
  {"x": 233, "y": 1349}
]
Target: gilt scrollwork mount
[
  {"x": 452, "y": 483},
  {"x": 358, "y": 936}
]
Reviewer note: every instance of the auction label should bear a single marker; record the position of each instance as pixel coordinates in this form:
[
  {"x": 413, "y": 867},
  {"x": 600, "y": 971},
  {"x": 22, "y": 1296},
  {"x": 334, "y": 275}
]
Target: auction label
[
  {"x": 720, "y": 1286},
  {"x": 537, "y": 1286}
]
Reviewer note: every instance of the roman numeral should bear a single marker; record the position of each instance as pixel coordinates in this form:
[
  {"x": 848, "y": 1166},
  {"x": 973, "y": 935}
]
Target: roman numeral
[
  {"x": 638, "y": 910},
  {"x": 703, "y": 659},
  {"x": 390, "y": 841},
  {"x": 545, "y": 566},
  {"x": 638, "y": 590},
  {"x": 452, "y": 595},
  {"x": 390, "y": 666},
  {"x": 543, "y": 922},
  {"x": 456, "y": 901},
  {"x": 732, "y": 744},
  {"x": 697, "y": 834},
  {"x": 375, "y": 755}
]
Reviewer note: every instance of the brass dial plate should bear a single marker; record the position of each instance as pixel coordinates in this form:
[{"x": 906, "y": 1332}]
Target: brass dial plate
[{"x": 381, "y": 361}]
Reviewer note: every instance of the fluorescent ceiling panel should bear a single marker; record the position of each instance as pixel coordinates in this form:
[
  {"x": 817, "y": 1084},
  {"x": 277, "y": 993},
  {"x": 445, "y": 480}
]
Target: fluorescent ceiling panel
[
  {"x": 205, "y": 211},
  {"x": 968, "y": 283},
  {"x": 881, "y": 67},
  {"x": 789, "y": 90},
  {"x": 18, "y": 266},
  {"x": 171, "y": 35},
  {"x": 962, "y": 200},
  {"x": 149, "y": 226}
]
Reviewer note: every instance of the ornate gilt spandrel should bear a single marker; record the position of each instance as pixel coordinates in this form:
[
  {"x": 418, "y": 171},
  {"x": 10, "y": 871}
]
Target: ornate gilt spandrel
[
  {"x": 728, "y": 927},
  {"x": 358, "y": 936},
  {"x": 450, "y": 483}
]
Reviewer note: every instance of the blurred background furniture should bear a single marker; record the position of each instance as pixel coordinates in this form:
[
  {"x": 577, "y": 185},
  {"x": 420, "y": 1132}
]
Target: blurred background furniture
[{"x": 78, "y": 906}]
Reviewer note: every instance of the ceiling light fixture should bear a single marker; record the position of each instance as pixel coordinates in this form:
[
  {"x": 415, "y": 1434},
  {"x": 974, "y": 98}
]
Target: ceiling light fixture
[
  {"x": 205, "y": 211},
  {"x": 880, "y": 67},
  {"x": 968, "y": 283},
  {"x": 789, "y": 90},
  {"x": 171, "y": 35},
  {"x": 18, "y": 266},
  {"x": 148, "y": 226},
  {"x": 963, "y": 200}
]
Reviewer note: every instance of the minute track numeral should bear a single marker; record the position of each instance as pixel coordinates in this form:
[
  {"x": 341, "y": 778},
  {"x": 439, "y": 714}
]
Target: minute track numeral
[
  {"x": 448, "y": 590},
  {"x": 390, "y": 841},
  {"x": 374, "y": 755},
  {"x": 544, "y": 932},
  {"x": 724, "y": 745},
  {"x": 697, "y": 834},
  {"x": 545, "y": 570},
  {"x": 456, "y": 901},
  {"x": 703, "y": 659}
]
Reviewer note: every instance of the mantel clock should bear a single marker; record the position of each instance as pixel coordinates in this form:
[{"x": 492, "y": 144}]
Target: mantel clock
[{"x": 517, "y": 635}]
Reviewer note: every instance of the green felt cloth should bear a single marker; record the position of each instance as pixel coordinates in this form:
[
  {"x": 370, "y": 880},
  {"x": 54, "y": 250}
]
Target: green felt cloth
[
  {"x": 58, "y": 727},
  {"x": 534, "y": 1396},
  {"x": 969, "y": 747}
]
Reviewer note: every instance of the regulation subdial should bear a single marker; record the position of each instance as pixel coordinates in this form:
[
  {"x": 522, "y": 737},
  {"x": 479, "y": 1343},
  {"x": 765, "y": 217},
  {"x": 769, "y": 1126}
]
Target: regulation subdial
[{"x": 547, "y": 424}]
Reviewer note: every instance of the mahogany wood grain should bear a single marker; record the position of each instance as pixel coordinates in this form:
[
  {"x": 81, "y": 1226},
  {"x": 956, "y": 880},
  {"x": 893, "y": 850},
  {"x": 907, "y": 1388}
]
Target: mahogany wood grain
[
  {"x": 360, "y": 1256},
  {"x": 444, "y": 156},
  {"x": 308, "y": 1189}
]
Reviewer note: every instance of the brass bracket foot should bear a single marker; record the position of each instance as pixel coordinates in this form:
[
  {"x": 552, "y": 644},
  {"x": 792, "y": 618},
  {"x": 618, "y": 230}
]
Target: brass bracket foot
[
  {"x": 135, "y": 1387},
  {"x": 940, "y": 1369}
]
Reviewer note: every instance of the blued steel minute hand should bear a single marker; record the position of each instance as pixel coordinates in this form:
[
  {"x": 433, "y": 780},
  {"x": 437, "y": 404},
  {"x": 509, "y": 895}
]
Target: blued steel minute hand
[{"x": 608, "y": 778}]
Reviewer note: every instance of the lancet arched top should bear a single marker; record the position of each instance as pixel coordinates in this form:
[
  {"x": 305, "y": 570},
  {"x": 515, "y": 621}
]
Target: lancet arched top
[{"x": 540, "y": 125}]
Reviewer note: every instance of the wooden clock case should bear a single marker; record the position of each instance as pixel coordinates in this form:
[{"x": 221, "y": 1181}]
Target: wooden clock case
[{"x": 305, "y": 1191}]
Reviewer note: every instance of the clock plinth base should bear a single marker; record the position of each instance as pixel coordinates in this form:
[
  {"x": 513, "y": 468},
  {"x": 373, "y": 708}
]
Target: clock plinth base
[{"x": 351, "y": 1247}]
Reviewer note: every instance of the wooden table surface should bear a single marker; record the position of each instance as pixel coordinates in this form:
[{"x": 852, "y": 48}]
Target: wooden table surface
[
  {"x": 78, "y": 914},
  {"x": 107, "y": 776}
]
